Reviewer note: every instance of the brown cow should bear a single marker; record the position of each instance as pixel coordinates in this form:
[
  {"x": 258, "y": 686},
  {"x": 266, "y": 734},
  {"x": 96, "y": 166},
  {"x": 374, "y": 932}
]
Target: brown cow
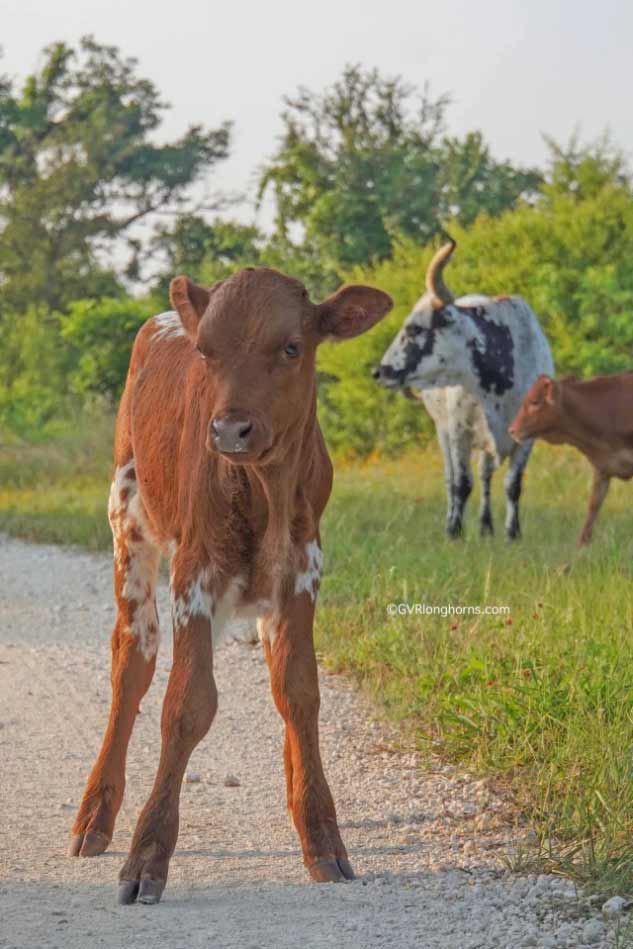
[
  {"x": 220, "y": 465},
  {"x": 595, "y": 416}
]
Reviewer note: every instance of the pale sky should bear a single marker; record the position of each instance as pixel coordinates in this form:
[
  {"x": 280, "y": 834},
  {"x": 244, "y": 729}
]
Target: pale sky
[{"x": 515, "y": 68}]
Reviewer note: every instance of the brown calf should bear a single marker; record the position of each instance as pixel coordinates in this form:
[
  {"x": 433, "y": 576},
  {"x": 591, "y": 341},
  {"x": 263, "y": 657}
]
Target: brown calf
[
  {"x": 221, "y": 466},
  {"x": 595, "y": 416}
]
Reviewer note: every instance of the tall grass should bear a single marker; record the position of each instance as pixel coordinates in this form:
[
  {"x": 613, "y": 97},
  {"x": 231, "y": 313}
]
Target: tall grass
[{"x": 542, "y": 696}]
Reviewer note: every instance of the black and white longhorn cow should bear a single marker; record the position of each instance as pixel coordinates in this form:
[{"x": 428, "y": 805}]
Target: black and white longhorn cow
[{"x": 470, "y": 361}]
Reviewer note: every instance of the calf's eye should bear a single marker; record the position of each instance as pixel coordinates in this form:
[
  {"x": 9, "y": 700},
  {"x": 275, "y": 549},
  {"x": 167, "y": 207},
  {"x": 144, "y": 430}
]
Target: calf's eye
[{"x": 291, "y": 350}]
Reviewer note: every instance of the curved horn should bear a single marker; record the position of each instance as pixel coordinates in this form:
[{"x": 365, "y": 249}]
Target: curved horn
[{"x": 434, "y": 281}]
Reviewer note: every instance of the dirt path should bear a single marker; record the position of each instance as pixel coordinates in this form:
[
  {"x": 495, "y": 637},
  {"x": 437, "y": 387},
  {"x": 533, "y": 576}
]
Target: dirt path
[{"x": 427, "y": 847}]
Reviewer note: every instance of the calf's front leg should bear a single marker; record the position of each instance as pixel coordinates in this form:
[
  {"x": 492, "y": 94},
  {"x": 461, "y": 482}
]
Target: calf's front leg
[
  {"x": 289, "y": 650},
  {"x": 598, "y": 494},
  {"x": 188, "y": 710}
]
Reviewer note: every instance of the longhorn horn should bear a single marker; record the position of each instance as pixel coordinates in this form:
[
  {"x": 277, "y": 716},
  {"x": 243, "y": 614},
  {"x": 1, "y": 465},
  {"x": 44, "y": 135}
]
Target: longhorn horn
[{"x": 434, "y": 280}]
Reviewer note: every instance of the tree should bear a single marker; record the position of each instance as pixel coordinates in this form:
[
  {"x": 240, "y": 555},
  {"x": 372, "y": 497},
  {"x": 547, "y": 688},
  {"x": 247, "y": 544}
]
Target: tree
[
  {"x": 79, "y": 167},
  {"x": 366, "y": 160},
  {"x": 206, "y": 251}
]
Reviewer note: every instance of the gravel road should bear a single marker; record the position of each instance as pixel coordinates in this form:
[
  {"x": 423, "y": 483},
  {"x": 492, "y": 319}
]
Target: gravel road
[{"x": 427, "y": 845}]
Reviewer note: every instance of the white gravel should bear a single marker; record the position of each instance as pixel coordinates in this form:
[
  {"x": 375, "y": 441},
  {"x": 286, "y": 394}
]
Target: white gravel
[{"x": 427, "y": 846}]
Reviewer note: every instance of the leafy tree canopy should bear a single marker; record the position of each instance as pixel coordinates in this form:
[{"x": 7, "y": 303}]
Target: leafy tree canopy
[
  {"x": 367, "y": 159},
  {"x": 79, "y": 166}
]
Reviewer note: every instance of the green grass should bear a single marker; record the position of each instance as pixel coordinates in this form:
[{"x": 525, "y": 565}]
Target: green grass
[{"x": 542, "y": 699}]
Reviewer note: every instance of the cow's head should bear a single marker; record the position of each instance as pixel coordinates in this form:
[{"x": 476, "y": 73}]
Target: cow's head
[
  {"x": 256, "y": 334},
  {"x": 431, "y": 348},
  {"x": 540, "y": 414}
]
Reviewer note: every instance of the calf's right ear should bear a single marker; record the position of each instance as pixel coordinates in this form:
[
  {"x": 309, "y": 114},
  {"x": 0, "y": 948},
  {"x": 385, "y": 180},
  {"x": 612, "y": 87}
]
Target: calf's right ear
[{"x": 190, "y": 302}]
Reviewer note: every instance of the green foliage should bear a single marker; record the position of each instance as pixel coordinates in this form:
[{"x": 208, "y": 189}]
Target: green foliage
[
  {"x": 366, "y": 160},
  {"x": 33, "y": 367},
  {"x": 358, "y": 416},
  {"x": 101, "y": 333}
]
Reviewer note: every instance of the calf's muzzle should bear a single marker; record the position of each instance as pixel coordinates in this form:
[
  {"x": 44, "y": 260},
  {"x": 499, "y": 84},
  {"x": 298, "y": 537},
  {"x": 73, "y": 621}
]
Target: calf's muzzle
[{"x": 233, "y": 433}]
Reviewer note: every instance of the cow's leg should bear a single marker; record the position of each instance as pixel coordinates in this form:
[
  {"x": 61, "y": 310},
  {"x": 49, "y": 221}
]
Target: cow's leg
[
  {"x": 460, "y": 446},
  {"x": 512, "y": 483},
  {"x": 134, "y": 646},
  {"x": 487, "y": 466},
  {"x": 290, "y": 655},
  {"x": 445, "y": 445},
  {"x": 188, "y": 711},
  {"x": 598, "y": 494}
]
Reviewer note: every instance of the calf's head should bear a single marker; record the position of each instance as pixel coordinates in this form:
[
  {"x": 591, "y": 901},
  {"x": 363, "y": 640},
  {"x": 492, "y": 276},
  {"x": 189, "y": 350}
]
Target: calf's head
[
  {"x": 539, "y": 414},
  {"x": 256, "y": 334},
  {"x": 431, "y": 348}
]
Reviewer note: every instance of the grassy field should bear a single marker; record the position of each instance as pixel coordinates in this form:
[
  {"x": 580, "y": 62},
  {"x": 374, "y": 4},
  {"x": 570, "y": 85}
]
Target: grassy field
[{"x": 541, "y": 698}]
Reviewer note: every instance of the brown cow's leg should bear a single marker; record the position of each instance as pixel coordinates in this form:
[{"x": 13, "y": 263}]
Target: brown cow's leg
[
  {"x": 598, "y": 494},
  {"x": 294, "y": 678},
  {"x": 189, "y": 707},
  {"x": 134, "y": 645}
]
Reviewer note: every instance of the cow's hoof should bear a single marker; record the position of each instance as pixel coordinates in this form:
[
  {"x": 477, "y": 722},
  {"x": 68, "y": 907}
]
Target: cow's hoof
[
  {"x": 331, "y": 870},
  {"x": 128, "y": 891},
  {"x": 90, "y": 844},
  {"x": 146, "y": 891}
]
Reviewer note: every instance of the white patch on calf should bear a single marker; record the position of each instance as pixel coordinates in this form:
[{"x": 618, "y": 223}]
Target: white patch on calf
[
  {"x": 169, "y": 326},
  {"x": 309, "y": 580},
  {"x": 196, "y": 600},
  {"x": 136, "y": 559},
  {"x": 226, "y": 618}
]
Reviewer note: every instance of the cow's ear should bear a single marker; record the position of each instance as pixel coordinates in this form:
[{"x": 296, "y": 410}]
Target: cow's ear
[
  {"x": 551, "y": 390},
  {"x": 350, "y": 311},
  {"x": 190, "y": 302}
]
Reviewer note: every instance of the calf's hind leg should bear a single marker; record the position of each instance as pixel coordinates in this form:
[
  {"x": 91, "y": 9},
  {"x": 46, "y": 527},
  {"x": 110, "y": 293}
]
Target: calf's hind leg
[
  {"x": 134, "y": 645},
  {"x": 598, "y": 494}
]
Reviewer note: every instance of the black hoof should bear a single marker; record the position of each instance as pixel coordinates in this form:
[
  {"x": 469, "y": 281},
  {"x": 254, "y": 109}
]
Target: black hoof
[
  {"x": 147, "y": 891},
  {"x": 151, "y": 891},
  {"x": 128, "y": 891}
]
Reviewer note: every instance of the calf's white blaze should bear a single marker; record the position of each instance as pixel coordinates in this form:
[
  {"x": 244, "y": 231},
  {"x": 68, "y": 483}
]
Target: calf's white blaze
[{"x": 168, "y": 326}]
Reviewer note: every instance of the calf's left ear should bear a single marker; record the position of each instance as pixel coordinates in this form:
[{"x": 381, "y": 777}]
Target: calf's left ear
[
  {"x": 190, "y": 301},
  {"x": 351, "y": 311}
]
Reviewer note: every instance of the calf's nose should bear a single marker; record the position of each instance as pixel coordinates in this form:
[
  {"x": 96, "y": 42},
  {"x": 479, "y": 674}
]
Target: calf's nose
[
  {"x": 231, "y": 432},
  {"x": 375, "y": 373}
]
